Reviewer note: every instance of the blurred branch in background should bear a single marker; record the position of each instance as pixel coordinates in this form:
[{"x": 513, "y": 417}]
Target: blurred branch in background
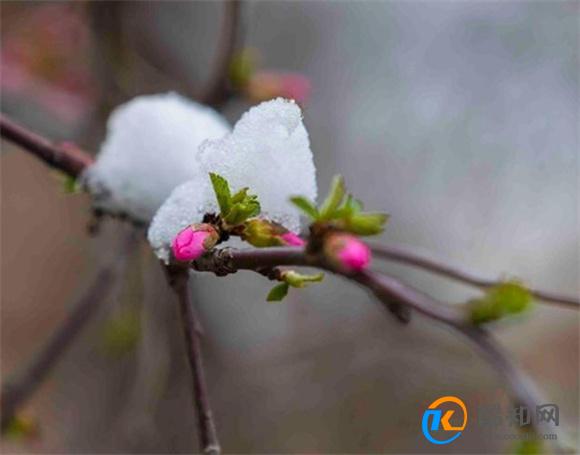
[
  {"x": 15, "y": 393},
  {"x": 439, "y": 267},
  {"x": 70, "y": 160},
  {"x": 215, "y": 91}
]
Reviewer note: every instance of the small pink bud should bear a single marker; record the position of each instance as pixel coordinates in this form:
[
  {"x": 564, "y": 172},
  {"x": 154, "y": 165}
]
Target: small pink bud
[
  {"x": 292, "y": 239},
  {"x": 347, "y": 252},
  {"x": 193, "y": 241}
]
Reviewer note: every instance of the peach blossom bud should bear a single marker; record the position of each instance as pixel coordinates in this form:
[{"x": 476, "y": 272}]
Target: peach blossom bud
[
  {"x": 193, "y": 241},
  {"x": 292, "y": 239},
  {"x": 347, "y": 252},
  {"x": 262, "y": 233}
]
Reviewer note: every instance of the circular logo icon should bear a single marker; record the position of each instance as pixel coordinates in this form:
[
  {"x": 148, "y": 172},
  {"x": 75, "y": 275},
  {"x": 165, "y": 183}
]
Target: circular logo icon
[{"x": 444, "y": 420}]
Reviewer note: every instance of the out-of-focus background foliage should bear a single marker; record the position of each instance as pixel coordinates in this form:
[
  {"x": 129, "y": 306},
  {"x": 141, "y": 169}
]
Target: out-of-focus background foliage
[{"x": 458, "y": 118}]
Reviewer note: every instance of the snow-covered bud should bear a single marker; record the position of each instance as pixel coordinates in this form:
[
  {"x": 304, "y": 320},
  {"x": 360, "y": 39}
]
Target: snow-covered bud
[
  {"x": 193, "y": 241},
  {"x": 347, "y": 252},
  {"x": 267, "y": 85},
  {"x": 263, "y": 233}
]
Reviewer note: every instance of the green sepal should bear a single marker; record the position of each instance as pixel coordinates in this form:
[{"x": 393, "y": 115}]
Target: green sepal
[
  {"x": 366, "y": 223},
  {"x": 240, "y": 195},
  {"x": 334, "y": 198},
  {"x": 298, "y": 280},
  {"x": 349, "y": 207},
  {"x": 342, "y": 211},
  {"x": 278, "y": 292},
  {"x": 241, "y": 211},
  {"x": 306, "y": 206},
  {"x": 262, "y": 233},
  {"x": 499, "y": 301}
]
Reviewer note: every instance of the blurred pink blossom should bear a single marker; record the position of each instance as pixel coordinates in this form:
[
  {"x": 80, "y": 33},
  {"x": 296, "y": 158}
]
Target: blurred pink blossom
[
  {"x": 44, "y": 58},
  {"x": 266, "y": 85}
]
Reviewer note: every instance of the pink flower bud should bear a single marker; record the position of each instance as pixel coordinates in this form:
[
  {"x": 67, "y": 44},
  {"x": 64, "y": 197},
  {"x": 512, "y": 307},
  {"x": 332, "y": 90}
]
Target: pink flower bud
[
  {"x": 193, "y": 241},
  {"x": 292, "y": 239},
  {"x": 262, "y": 233},
  {"x": 347, "y": 252}
]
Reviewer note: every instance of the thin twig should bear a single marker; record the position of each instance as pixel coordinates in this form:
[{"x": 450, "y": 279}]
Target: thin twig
[
  {"x": 407, "y": 257},
  {"x": 215, "y": 91},
  {"x": 16, "y": 393},
  {"x": 70, "y": 160},
  {"x": 178, "y": 280}
]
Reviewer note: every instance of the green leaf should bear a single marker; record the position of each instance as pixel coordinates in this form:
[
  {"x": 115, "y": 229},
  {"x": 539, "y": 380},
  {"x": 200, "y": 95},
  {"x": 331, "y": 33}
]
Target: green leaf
[
  {"x": 298, "y": 280},
  {"x": 240, "y": 195},
  {"x": 306, "y": 206},
  {"x": 349, "y": 207},
  {"x": 366, "y": 223},
  {"x": 499, "y": 301},
  {"x": 222, "y": 192},
  {"x": 278, "y": 292},
  {"x": 334, "y": 198},
  {"x": 243, "y": 210}
]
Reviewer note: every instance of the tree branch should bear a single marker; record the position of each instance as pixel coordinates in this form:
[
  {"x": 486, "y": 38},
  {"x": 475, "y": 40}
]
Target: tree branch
[
  {"x": 15, "y": 394},
  {"x": 387, "y": 290},
  {"x": 215, "y": 91},
  {"x": 407, "y": 257},
  {"x": 71, "y": 161},
  {"x": 178, "y": 280}
]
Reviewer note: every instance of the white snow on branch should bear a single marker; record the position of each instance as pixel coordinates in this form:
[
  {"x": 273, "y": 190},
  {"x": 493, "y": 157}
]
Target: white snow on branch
[
  {"x": 268, "y": 151},
  {"x": 150, "y": 149}
]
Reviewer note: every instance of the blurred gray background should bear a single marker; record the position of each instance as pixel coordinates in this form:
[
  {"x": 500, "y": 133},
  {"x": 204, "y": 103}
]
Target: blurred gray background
[{"x": 458, "y": 118}]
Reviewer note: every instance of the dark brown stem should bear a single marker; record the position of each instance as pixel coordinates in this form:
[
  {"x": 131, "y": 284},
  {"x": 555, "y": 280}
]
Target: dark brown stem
[
  {"x": 16, "y": 393},
  {"x": 407, "y": 257},
  {"x": 215, "y": 91},
  {"x": 71, "y": 161},
  {"x": 178, "y": 280}
]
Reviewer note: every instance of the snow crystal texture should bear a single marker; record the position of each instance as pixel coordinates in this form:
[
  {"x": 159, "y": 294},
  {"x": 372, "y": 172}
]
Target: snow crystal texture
[
  {"x": 150, "y": 149},
  {"x": 268, "y": 151}
]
